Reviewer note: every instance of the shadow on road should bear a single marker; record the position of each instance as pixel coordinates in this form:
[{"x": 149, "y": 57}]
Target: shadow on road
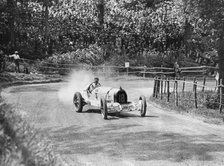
[
  {"x": 115, "y": 116},
  {"x": 120, "y": 142},
  {"x": 128, "y": 115}
]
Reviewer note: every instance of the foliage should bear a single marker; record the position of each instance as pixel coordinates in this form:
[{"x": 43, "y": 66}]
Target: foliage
[
  {"x": 207, "y": 99},
  {"x": 123, "y": 29},
  {"x": 62, "y": 26},
  {"x": 93, "y": 55},
  {"x": 212, "y": 101},
  {"x": 20, "y": 143},
  {"x": 207, "y": 104},
  {"x": 210, "y": 21}
]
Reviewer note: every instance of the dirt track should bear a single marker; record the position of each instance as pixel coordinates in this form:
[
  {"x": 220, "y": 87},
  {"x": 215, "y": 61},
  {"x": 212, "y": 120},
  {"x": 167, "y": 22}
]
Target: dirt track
[{"x": 161, "y": 138}]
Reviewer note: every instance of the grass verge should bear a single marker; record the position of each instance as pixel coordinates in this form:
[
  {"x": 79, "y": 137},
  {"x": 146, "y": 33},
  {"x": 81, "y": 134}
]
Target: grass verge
[
  {"x": 186, "y": 105},
  {"x": 20, "y": 144}
]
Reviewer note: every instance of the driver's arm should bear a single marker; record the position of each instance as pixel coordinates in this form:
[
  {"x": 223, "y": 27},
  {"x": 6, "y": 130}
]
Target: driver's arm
[{"x": 90, "y": 88}]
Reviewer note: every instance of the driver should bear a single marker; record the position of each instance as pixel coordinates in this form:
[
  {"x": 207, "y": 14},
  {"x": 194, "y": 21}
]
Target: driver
[{"x": 93, "y": 85}]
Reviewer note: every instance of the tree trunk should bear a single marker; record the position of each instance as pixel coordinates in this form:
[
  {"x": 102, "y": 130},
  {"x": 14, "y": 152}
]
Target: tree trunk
[
  {"x": 11, "y": 10},
  {"x": 46, "y": 15},
  {"x": 221, "y": 61},
  {"x": 188, "y": 29},
  {"x": 100, "y": 7}
]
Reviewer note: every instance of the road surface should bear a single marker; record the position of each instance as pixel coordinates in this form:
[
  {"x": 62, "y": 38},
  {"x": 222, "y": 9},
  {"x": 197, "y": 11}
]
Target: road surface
[{"x": 160, "y": 138}]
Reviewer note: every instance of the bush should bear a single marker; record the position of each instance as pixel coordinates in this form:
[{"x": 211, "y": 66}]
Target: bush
[
  {"x": 212, "y": 101},
  {"x": 62, "y": 63},
  {"x": 21, "y": 144},
  {"x": 207, "y": 105},
  {"x": 10, "y": 66},
  {"x": 207, "y": 99}
]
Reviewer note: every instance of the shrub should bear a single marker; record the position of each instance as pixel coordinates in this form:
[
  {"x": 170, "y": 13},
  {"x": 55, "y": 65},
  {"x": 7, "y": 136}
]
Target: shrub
[
  {"x": 21, "y": 144},
  {"x": 207, "y": 99},
  {"x": 212, "y": 101},
  {"x": 208, "y": 103},
  {"x": 10, "y": 66},
  {"x": 62, "y": 63}
]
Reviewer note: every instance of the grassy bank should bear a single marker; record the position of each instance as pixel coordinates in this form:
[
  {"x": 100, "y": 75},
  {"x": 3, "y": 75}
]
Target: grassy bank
[
  {"x": 20, "y": 144},
  {"x": 12, "y": 77},
  {"x": 207, "y": 106}
]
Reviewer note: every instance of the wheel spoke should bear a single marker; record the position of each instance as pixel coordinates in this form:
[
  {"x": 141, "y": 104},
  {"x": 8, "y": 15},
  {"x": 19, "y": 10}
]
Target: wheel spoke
[{"x": 76, "y": 102}]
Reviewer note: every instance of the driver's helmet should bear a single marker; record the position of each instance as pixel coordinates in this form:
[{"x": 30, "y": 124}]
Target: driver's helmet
[{"x": 96, "y": 79}]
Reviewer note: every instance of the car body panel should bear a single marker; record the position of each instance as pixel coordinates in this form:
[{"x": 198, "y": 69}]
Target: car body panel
[{"x": 93, "y": 98}]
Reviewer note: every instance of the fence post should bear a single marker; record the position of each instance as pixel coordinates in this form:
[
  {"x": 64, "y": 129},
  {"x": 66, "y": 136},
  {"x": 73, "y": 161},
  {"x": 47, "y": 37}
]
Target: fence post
[
  {"x": 154, "y": 87},
  {"x": 158, "y": 87},
  {"x": 183, "y": 85},
  {"x": 168, "y": 90},
  {"x": 221, "y": 93},
  {"x": 161, "y": 85},
  {"x": 165, "y": 81},
  {"x": 219, "y": 85},
  {"x": 204, "y": 81},
  {"x": 216, "y": 84},
  {"x": 195, "y": 94},
  {"x": 174, "y": 85},
  {"x": 176, "y": 92},
  {"x": 194, "y": 82},
  {"x": 144, "y": 70}
]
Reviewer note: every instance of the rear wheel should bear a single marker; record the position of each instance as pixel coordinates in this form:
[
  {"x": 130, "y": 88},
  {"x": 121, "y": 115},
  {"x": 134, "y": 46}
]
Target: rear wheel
[
  {"x": 103, "y": 108},
  {"x": 77, "y": 100},
  {"x": 143, "y": 105}
]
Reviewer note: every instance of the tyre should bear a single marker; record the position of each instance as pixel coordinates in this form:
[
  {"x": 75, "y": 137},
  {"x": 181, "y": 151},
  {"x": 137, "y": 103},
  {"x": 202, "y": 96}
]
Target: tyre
[
  {"x": 103, "y": 108},
  {"x": 143, "y": 106},
  {"x": 117, "y": 113},
  {"x": 77, "y": 101}
]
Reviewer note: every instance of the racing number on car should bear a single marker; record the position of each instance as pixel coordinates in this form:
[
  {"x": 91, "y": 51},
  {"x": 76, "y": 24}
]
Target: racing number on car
[{"x": 122, "y": 98}]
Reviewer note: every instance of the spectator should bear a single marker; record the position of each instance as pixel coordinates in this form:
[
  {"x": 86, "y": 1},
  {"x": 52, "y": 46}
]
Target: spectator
[
  {"x": 16, "y": 58},
  {"x": 26, "y": 71},
  {"x": 177, "y": 70},
  {"x": 217, "y": 76}
]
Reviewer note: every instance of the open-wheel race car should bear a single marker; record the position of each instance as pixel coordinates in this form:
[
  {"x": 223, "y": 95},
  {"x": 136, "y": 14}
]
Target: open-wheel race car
[{"x": 108, "y": 100}]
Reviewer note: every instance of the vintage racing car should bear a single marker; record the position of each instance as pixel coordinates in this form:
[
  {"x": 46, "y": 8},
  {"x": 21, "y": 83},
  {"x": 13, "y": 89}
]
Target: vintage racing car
[{"x": 109, "y": 100}]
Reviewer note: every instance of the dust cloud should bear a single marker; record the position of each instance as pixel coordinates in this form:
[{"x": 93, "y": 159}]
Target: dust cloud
[{"x": 77, "y": 81}]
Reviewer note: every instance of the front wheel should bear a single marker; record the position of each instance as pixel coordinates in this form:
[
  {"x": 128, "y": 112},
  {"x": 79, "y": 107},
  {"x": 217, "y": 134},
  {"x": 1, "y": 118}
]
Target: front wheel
[
  {"x": 143, "y": 105},
  {"x": 103, "y": 108},
  {"x": 77, "y": 101}
]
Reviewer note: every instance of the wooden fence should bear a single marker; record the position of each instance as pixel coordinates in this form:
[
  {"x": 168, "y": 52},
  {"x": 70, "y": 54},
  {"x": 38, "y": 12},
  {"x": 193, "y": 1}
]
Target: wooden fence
[
  {"x": 141, "y": 71},
  {"x": 194, "y": 92}
]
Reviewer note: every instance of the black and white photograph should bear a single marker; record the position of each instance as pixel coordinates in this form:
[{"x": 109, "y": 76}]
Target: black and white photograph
[{"x": 111, "y": 83}]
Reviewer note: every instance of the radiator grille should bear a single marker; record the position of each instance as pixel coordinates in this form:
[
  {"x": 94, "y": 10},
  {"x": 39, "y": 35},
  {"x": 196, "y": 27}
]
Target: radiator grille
[{"x": 121, "y": 97}]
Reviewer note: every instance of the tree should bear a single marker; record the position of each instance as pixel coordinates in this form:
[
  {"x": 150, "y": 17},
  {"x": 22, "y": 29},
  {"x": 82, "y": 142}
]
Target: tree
[
  {"x": 211, "y": 12},
  {"x": 100, "y": 7},
  {"x": 63, "y": 26},
  {"x": 11, "y": 6}
]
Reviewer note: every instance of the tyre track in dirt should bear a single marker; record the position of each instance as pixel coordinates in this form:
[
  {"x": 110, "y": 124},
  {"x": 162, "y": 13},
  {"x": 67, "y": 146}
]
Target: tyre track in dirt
[{"x": 161, "y": 138}]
